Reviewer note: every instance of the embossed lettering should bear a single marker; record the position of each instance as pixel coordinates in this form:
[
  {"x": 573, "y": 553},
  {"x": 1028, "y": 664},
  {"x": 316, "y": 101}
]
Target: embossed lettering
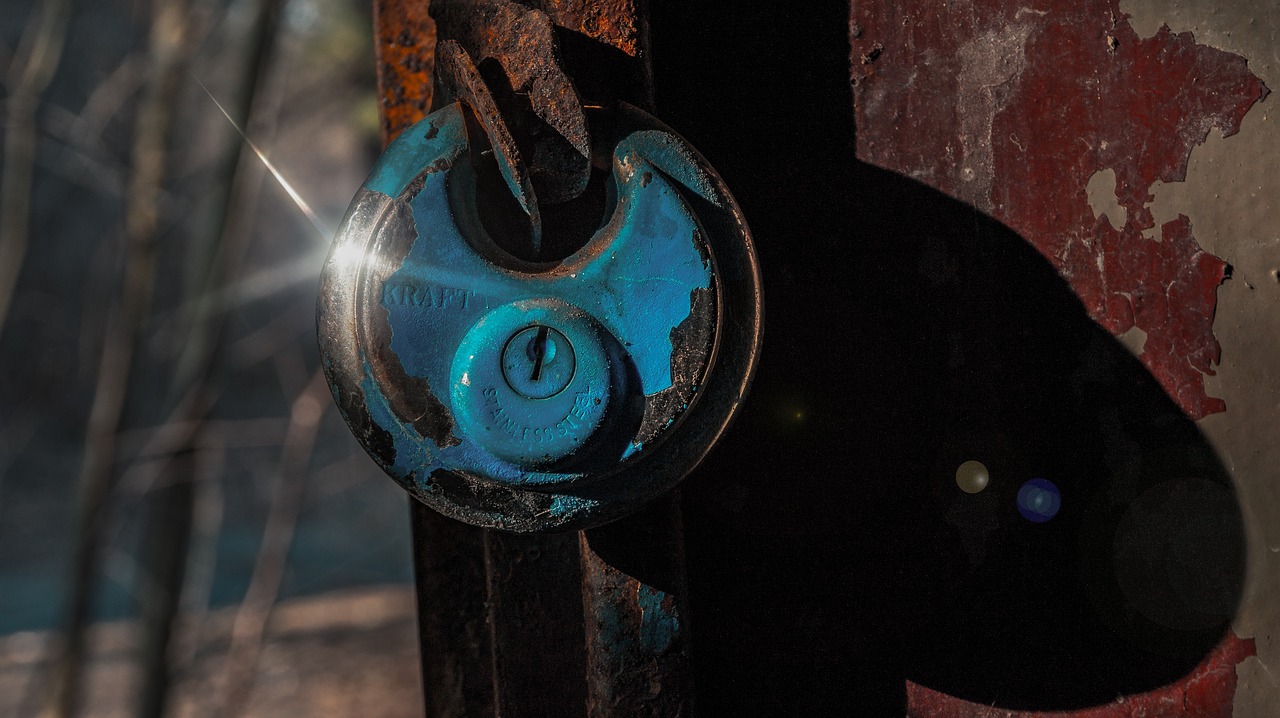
[
  {"x": 573, "y": 420},
  {"x": 431, "y": 296}
]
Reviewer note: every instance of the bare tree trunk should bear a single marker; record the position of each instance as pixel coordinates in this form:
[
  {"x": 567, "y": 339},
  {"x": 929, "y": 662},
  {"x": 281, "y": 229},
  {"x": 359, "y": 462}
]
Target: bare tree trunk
[
  {"x": 168, "y": 533},
  {"x": 215, "y": 253},
  {"x": 168, "y": 61}
]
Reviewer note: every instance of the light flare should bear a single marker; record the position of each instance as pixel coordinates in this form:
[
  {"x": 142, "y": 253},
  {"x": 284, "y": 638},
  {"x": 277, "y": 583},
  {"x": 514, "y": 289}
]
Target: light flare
[{"x": 325, "y": 232}]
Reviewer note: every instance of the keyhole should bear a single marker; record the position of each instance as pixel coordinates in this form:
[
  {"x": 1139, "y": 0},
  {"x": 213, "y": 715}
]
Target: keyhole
[{"x": 538, "y": 362}]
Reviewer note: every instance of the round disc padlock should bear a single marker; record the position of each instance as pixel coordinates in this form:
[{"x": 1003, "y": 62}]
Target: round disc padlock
[{"x": 533, "y": 396}]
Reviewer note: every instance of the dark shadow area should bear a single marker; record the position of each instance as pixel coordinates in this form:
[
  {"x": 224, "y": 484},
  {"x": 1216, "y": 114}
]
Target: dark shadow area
[
  {"x": 831, "y": 553},
  {"x": 602, "y": 74},
  {"x": 644, "y": 544}
]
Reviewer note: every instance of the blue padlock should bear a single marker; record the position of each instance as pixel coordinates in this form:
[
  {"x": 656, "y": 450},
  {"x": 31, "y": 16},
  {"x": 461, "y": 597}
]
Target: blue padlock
[{"x": 533, "y": 396}]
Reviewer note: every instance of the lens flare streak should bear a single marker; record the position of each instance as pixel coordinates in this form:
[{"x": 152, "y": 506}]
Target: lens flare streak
[{"x": 325, "y": 232}]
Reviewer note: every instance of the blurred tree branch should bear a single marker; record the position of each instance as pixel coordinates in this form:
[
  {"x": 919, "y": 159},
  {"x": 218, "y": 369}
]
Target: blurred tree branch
[
  {"x": 206, "y": 529},
  {"x": 156, "y": 307},
  {"x": 251, "y": 619},
  {"x": 85, "y": 157},
  {"x": 31, "y": 70},
  {"x": 168, "y": 54},
  {"x": 215, "y": 252}
]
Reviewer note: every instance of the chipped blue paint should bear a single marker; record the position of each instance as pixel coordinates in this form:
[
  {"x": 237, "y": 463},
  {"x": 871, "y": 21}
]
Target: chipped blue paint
[
  {"x": 633, "y": 626},
  {"x": 641, "y": 287},
  {"x": 566, "y": 507},
  {"x": 410, "y": 454},
  {"x": 635, "y": 278},
  {"x": 659, "y": 627},
  {"x": 439, "y": 137},
  {"x": 675, "y": 159},
  {"x": 412, "y": 271}
]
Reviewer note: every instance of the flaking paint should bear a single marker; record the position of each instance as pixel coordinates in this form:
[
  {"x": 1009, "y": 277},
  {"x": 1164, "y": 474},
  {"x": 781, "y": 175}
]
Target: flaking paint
[
  {"x": 429, "y": 279},
  {"x": 1093, "y": 96},
  {"x": 1165, "y": 120},
  {"x": 1232, "y": 195}
]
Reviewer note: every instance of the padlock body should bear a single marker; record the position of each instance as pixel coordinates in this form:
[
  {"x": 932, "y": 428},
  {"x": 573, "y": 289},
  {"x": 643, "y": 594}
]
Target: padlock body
[{"x": 533, "y": 396}]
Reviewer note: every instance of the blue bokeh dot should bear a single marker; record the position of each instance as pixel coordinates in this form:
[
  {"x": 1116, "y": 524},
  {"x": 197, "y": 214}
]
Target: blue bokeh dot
[{"x": 1039, "y": 500}]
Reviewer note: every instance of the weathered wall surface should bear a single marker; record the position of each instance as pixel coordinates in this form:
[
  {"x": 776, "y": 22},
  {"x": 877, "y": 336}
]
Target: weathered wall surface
[
  {"x": 1132, "y": 144},
  {"x": 1232, "y": 196}
]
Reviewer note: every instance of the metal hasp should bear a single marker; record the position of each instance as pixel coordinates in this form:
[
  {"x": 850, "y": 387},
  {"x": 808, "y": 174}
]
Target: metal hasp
[{"x": 539, "y": 395}]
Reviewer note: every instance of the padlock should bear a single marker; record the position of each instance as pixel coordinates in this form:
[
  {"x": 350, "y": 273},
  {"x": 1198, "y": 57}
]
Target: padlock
[{"x": 539, "y": 395}]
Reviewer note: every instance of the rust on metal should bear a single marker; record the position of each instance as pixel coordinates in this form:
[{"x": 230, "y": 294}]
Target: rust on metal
[
  {"x": 552, "y": 129},
  {"x": 616, "y": 23},
  {"x": 460, "y": 80},
  {"x": 478, "y": 590},
  {"x": 1207, "y": 693},
  {"x": 638, "y": 648},
  {"x": 404, "y": 49}
]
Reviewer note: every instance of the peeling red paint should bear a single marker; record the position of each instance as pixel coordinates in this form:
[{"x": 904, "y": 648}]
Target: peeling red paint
[
  {"x": 1014, "y": 106},
  {"x": 1206, "y": 693}
]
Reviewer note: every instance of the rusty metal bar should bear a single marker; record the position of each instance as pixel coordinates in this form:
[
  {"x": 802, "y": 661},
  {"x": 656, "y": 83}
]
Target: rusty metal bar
[
  {"x": 539, "y": 101},
  {"x": 448, "y": 556},
  {"x": 404, "y": 50},
  {"x": 639, "y": 661},
  {"x": 535, "y": 624},
  {"x": 449, "y": 568}
]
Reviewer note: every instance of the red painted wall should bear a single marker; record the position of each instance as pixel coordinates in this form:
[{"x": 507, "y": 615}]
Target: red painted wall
[{"x": 1014, "y": 107}]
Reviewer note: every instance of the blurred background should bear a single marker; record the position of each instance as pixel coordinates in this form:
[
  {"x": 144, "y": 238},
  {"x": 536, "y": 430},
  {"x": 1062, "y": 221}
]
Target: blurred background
[{"x": 172, "y": 471}]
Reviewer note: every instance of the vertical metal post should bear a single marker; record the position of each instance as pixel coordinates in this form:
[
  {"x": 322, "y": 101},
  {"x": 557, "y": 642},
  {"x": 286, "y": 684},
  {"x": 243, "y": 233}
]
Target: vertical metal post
[{"x": 638, "y": 638}]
